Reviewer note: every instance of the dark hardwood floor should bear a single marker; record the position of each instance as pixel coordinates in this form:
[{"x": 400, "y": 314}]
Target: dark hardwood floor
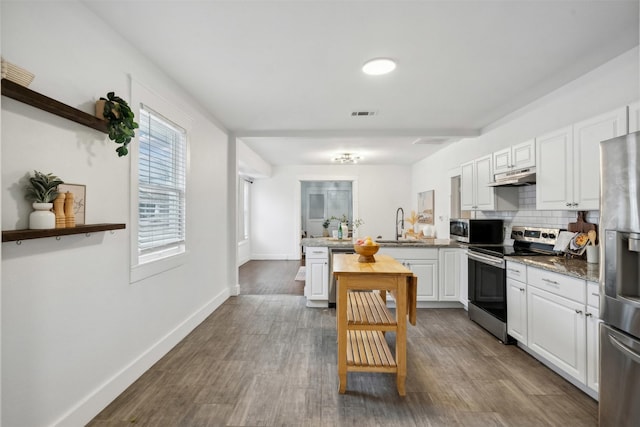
[{"x": 264, "y": 359}]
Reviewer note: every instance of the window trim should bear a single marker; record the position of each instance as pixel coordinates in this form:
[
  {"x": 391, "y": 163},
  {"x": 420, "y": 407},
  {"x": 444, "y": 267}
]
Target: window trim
[{"x": 177, "y": 256}]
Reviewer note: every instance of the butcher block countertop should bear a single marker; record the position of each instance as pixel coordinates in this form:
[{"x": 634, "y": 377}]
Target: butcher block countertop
[
  {"x": 571, "y": 267},
  {"x": 344, "y": 243}
]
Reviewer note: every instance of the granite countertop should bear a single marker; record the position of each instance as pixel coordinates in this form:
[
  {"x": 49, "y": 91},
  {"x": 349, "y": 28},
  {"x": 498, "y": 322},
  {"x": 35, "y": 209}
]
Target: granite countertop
[
  {"x": 571, "y": 267},
  {"x": 344, "y": 243}
]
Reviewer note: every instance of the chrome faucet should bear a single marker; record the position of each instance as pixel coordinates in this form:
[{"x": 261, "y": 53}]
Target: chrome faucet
[{"x": 401, "y": 222}]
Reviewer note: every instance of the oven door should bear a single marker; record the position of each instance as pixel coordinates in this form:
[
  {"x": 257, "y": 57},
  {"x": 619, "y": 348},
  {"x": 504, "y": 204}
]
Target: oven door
[{"x": 487, "y": 284}]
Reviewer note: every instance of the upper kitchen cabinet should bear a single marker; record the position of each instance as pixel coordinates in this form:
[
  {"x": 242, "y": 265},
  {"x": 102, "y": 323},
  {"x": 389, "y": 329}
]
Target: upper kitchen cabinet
[
  {"x": 515, "y": 157},
  {"x": 634, "y": 117},
  {"x": 568, "y": 162},
  {"x": 475, "y": 194}
]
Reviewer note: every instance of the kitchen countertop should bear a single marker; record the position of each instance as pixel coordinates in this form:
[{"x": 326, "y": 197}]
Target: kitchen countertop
[
  {"x": 571, "y": 267},
  {"x": 345, "y": 243}
]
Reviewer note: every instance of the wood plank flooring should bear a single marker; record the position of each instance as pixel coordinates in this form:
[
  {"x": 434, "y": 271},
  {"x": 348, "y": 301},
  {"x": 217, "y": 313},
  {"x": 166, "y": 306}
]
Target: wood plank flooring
[{"x": 264, "y": 359}]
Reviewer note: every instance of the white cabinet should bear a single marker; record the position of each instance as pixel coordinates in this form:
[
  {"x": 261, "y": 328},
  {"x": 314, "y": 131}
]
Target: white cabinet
[
  {"x": 316, "y": 287},
  {"x": 593, "y": 336},
  {"x": 517, "y": 301},
  {"x": 557, "y": 331},
  {"x": 427, "y": 273},
  {"x": 515, "y": 157},
  {"x": 464, "y": 279},
  {"x": 441, "y": 273},
  {"x": 450, "y": 267},
  {"x": 424, "y": 264},
  {"x": 556, "y": 325},
  {"x": 476, "y": 195},
  {"x": 568, "y": 162},
  {"x": 634, "y": 117}
]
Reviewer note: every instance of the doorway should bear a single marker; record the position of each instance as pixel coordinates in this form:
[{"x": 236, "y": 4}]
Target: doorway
[{"x": 322, "y": 200}]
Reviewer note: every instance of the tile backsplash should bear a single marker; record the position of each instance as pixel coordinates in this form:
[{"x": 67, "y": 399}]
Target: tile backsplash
[{"x": 528, "y": 215}]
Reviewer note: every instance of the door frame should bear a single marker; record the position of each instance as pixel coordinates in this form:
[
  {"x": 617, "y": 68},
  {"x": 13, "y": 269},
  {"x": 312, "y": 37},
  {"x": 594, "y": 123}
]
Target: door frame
[{"x": 297, "y": 206}]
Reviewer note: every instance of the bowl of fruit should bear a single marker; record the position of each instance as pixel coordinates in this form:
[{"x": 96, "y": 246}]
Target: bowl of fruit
[{"x": 366, "y": 248}]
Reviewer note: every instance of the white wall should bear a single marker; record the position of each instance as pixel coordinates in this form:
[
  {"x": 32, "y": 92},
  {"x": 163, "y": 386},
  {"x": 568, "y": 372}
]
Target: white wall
[
  {"x": 75, "y": 332},
  {"x": 275, "y": 204},
  {"x": 610, "y": 86}
]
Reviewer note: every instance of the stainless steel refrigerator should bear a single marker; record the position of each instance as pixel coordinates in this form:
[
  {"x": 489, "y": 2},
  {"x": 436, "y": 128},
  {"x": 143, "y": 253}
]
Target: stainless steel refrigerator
[{"x": 620, "y": 281}]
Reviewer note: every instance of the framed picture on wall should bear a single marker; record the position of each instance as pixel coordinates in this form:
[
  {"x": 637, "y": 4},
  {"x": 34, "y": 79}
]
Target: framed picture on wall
[
  {"x": 79, "y": 192},
  {"x": 425, "y": 207}
]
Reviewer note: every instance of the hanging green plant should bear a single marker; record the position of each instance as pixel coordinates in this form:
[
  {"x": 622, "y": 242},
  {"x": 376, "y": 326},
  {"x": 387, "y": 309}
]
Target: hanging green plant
[{"x": 120, "y": 121}]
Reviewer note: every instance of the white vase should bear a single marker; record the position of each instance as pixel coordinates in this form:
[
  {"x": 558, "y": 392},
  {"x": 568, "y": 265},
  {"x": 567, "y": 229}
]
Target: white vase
[{"x": 42, "y": 218}]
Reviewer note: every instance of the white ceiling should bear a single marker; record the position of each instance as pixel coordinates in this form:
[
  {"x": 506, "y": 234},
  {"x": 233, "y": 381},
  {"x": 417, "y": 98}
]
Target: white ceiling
[{"x": 285, "y": 75}]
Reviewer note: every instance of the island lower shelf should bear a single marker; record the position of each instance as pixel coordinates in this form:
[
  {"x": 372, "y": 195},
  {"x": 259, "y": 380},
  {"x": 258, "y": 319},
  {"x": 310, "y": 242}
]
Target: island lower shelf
[
  {"x": 18, "y": 235},
  {"x": 368, "y": 351}
]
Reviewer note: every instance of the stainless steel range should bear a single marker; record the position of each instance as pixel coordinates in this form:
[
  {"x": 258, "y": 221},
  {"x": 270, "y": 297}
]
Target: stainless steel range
[{"x": 488, "y": 279}]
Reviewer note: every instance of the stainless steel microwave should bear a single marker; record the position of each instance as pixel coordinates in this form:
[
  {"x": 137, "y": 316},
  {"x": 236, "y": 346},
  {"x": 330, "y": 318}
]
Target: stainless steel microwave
[{"x": 473, "y": 231}]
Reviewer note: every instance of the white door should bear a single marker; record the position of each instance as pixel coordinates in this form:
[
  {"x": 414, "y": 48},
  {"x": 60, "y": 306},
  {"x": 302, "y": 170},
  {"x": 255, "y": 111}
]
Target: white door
[
  {"x": 484, "y": 175},
  {"x": 556, "y": 330},
  {"x": 587, "y": 136},
  {"x": 427, "y": 273},
  {"x": 524, "y": 155},
  {"x": 467, "y": 180},
  {"x": 316, "y": 211},
  {"x": 554, "y": 170},
  {"x": 450, "y": 275},
  {"x": 517, "y": 310}
]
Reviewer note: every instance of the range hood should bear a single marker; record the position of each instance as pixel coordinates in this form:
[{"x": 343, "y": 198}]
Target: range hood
[{"x": 515, "y": 178}]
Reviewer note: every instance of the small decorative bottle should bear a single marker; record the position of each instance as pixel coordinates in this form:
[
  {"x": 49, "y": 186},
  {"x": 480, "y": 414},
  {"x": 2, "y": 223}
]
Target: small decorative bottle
[
  {"x": 58, "y": 209},
  {"x": 339, "y": 231},
  {"x": 70, "y": 218}
]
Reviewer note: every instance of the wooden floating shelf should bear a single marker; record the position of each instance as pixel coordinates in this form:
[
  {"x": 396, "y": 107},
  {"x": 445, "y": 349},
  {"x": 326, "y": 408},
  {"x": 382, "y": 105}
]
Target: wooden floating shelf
[
  {"x": 15, "y": 235},
  {"x": 37, "y": 100}
]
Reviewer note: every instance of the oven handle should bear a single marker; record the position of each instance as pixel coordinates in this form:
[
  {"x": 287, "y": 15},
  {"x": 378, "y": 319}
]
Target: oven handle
[{"x": 495, "y": 262}]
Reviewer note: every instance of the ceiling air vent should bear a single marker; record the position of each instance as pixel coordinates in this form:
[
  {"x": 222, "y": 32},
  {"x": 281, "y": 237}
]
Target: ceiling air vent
[{"x": 363, "y": 113}]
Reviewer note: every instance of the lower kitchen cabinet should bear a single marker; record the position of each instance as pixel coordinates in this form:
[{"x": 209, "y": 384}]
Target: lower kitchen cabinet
[
  {"x": 557, "y": 331},
  {"x": 439, "y": 271},
  {"x": 593, "y": 336},
  {"x": 450, "y": 267},
  {"x": 427, "y": 273},
  {"x": 517, "y": 310},
  {"x": 316, "y": 288}
]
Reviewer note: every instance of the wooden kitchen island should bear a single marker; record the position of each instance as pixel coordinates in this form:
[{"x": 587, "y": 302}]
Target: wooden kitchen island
[{"x": 362, "y": 317}]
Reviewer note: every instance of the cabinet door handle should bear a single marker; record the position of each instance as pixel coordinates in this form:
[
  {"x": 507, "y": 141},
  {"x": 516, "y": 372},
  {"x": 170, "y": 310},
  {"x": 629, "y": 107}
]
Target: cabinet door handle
[
  {"x": 595, "y": 294},
  {"x": 578, "y": 311},
  {"x": 521, "y": 289},
  {"x": 514, "y": 270},
  {"x": 588, "y": 314},
  {"x": 568, "y": 204},
  {"x": 551, "y": 282}
]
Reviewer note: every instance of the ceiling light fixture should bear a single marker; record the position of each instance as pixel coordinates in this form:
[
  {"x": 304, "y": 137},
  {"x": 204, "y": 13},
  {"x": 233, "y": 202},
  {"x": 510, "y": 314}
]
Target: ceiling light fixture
[
  {"x": 346, "y": 158},
  {"x": 379, "y": 66}
]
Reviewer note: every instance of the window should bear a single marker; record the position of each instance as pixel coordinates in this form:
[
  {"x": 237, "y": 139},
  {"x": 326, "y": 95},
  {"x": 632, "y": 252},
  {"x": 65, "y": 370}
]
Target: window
[{"x": 161, "y": 187}]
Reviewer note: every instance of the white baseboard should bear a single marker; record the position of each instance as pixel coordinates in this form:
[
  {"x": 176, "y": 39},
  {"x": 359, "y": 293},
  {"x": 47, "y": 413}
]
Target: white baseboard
[
  {"x": 276, "y": 257},
  {"x": 85, "y": 410}
]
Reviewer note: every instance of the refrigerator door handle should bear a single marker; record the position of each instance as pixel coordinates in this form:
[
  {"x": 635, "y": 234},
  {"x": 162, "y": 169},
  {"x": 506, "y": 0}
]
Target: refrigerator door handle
[
  {"x": 624, "y": 349},
  {"x": 634, "y": 242}
]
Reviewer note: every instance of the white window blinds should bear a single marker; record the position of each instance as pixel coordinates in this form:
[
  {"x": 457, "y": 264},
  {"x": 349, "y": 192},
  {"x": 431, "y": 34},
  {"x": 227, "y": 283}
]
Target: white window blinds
[{"x": 161, "y": 186}]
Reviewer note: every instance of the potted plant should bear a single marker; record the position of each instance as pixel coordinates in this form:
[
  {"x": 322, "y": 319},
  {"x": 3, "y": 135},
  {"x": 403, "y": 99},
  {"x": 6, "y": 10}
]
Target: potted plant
[
  {"x": 325, "y": 227},
  {"x": 41, "y": 191},
  {"x": 120, "y": 120}
]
